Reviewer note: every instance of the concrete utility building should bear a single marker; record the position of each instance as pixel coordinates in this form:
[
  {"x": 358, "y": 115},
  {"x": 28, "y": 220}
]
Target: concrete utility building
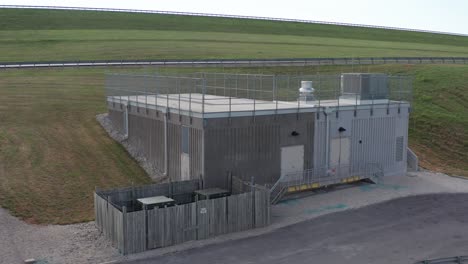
[{"x": 208, "y": 125}]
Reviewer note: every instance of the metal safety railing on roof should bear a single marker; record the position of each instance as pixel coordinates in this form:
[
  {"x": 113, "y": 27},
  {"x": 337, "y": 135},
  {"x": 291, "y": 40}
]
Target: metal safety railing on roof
[{"x": 228, "y": 93}]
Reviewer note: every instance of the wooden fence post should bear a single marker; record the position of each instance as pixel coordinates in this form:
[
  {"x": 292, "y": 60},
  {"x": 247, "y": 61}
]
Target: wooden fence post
[
  {"x": 133, "y": 196},
  {"x": 124, "y": 230},
  {"x": 229, "y": 178},
  {"x": 145, "y": 226},
  {"x": 201, "y": 182},
  {"x": 252, "y": 190},
  {"x": 170, "y": 189},
  {"x": 268, "y": 204},
  {"x": 196, "y": 219},
  {"x": 108, "y": 226}
]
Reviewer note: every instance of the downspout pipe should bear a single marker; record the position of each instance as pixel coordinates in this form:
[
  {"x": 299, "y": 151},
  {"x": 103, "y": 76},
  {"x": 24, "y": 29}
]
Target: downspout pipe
[
  {"x": 126, "y": 121},
  {"x": 327, "y": 111},
  {"x": 165, "y": 144}
]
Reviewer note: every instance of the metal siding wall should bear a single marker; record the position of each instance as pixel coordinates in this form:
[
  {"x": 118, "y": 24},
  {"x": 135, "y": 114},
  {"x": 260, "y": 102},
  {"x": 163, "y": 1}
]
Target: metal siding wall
[
  {"x": 195, "y": 152},
  {"x": 245, "y": 151},
  {"x": 250, "y": 147},
  {"x": 320, "y": 143},
  {"x": 309, "y": 148},
  {"x": 147, "y": 136},
  {"x": 174, "y": 151},
  {"x": 156, "y": 138},
  {"x": 378, "y": 130},
  {"x": 117, "y": 119},
  {"x": 378, "y": 141},
  {"x": 402, "y": 120}
]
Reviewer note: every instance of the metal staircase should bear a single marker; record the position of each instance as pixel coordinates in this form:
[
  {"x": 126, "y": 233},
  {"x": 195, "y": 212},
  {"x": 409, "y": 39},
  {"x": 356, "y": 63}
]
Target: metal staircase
[{"x": 320, "y": 177}]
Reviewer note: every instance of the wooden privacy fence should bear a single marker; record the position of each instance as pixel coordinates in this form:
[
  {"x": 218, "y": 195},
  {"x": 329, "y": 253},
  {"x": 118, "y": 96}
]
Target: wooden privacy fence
[{"x": 141, "y": 230}]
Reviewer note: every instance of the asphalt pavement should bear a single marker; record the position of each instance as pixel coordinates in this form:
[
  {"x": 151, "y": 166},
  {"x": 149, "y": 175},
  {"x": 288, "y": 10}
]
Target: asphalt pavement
[{"x": 403, "y": 230}]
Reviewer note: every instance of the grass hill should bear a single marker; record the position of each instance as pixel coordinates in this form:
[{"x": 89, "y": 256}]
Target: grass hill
[
  {"x": 53, "y": 152},
  {"x": 42, "y": 35}
]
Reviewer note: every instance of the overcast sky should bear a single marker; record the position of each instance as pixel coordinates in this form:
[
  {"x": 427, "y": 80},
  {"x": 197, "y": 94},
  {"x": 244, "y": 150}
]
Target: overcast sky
[{"x": 436, "y": 15}]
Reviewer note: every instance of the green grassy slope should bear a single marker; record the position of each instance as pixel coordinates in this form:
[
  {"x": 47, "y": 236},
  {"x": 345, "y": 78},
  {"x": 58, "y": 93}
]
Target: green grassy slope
[
  {"x": 440, "y": 131},
  {"x": 40, "y": 35},
  {"x": 37, "y": 19},
  {"x": 53, "y": 153}
]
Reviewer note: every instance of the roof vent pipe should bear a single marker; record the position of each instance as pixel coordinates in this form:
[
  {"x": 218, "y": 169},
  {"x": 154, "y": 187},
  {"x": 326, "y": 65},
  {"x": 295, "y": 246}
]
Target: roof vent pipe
[{"x": 306, "y": 92}]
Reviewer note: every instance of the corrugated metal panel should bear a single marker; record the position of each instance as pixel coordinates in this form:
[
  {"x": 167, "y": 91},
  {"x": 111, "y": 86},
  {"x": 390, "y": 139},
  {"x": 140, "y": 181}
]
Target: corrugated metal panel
[
  {"x": 373, "y": 140},
  {"x": 195, "y": 152},
  {"x": 174, "y": 150},
  {"x": 366, "y": 86},
  {"x": 147, "y": 136},
  {"x": 249, "y": 147},
  {"x": 156, "y": 138},
  {"x": 399, "y": 149},
  {"x": 245, "y": 151},
  {"x": 117, "y": 119},
  {"x": 309, "y": 148},
  {"x": 320, "y": 143}
]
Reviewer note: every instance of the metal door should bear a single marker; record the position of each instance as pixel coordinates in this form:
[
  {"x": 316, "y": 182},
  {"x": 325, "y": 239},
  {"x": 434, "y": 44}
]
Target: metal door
[
  {"x": 340, "y": 151},
  {"x": 292, "y": 161}
]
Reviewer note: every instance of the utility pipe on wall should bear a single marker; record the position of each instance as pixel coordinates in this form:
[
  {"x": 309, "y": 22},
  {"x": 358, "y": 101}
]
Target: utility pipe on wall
[
  {"x": 165, "y": 144},
  {"x": 327, "y": 111},
  {"x": 126, "y": 121}
]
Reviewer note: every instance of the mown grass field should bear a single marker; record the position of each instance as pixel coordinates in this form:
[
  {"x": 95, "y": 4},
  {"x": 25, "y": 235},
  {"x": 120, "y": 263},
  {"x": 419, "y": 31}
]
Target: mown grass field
[
  {"x": 44, "y": 35},
  {"x": 53, "y": 153}
]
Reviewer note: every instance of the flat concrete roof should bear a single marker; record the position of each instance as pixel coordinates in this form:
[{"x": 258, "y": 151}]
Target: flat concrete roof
[{"x": 211, "y": 106}]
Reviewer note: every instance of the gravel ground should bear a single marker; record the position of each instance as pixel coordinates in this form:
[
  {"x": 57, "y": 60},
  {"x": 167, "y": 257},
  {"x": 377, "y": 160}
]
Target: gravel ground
[
  {"x": 82, "y": 243},
  {"x": 77, "y": 243}
]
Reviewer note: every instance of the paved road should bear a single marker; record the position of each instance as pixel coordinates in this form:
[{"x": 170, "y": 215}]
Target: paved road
[{"x": 399, "y": 231}]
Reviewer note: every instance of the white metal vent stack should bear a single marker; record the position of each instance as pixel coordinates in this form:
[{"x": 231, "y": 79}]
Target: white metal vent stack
[{"x": 306, "y": 92}]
